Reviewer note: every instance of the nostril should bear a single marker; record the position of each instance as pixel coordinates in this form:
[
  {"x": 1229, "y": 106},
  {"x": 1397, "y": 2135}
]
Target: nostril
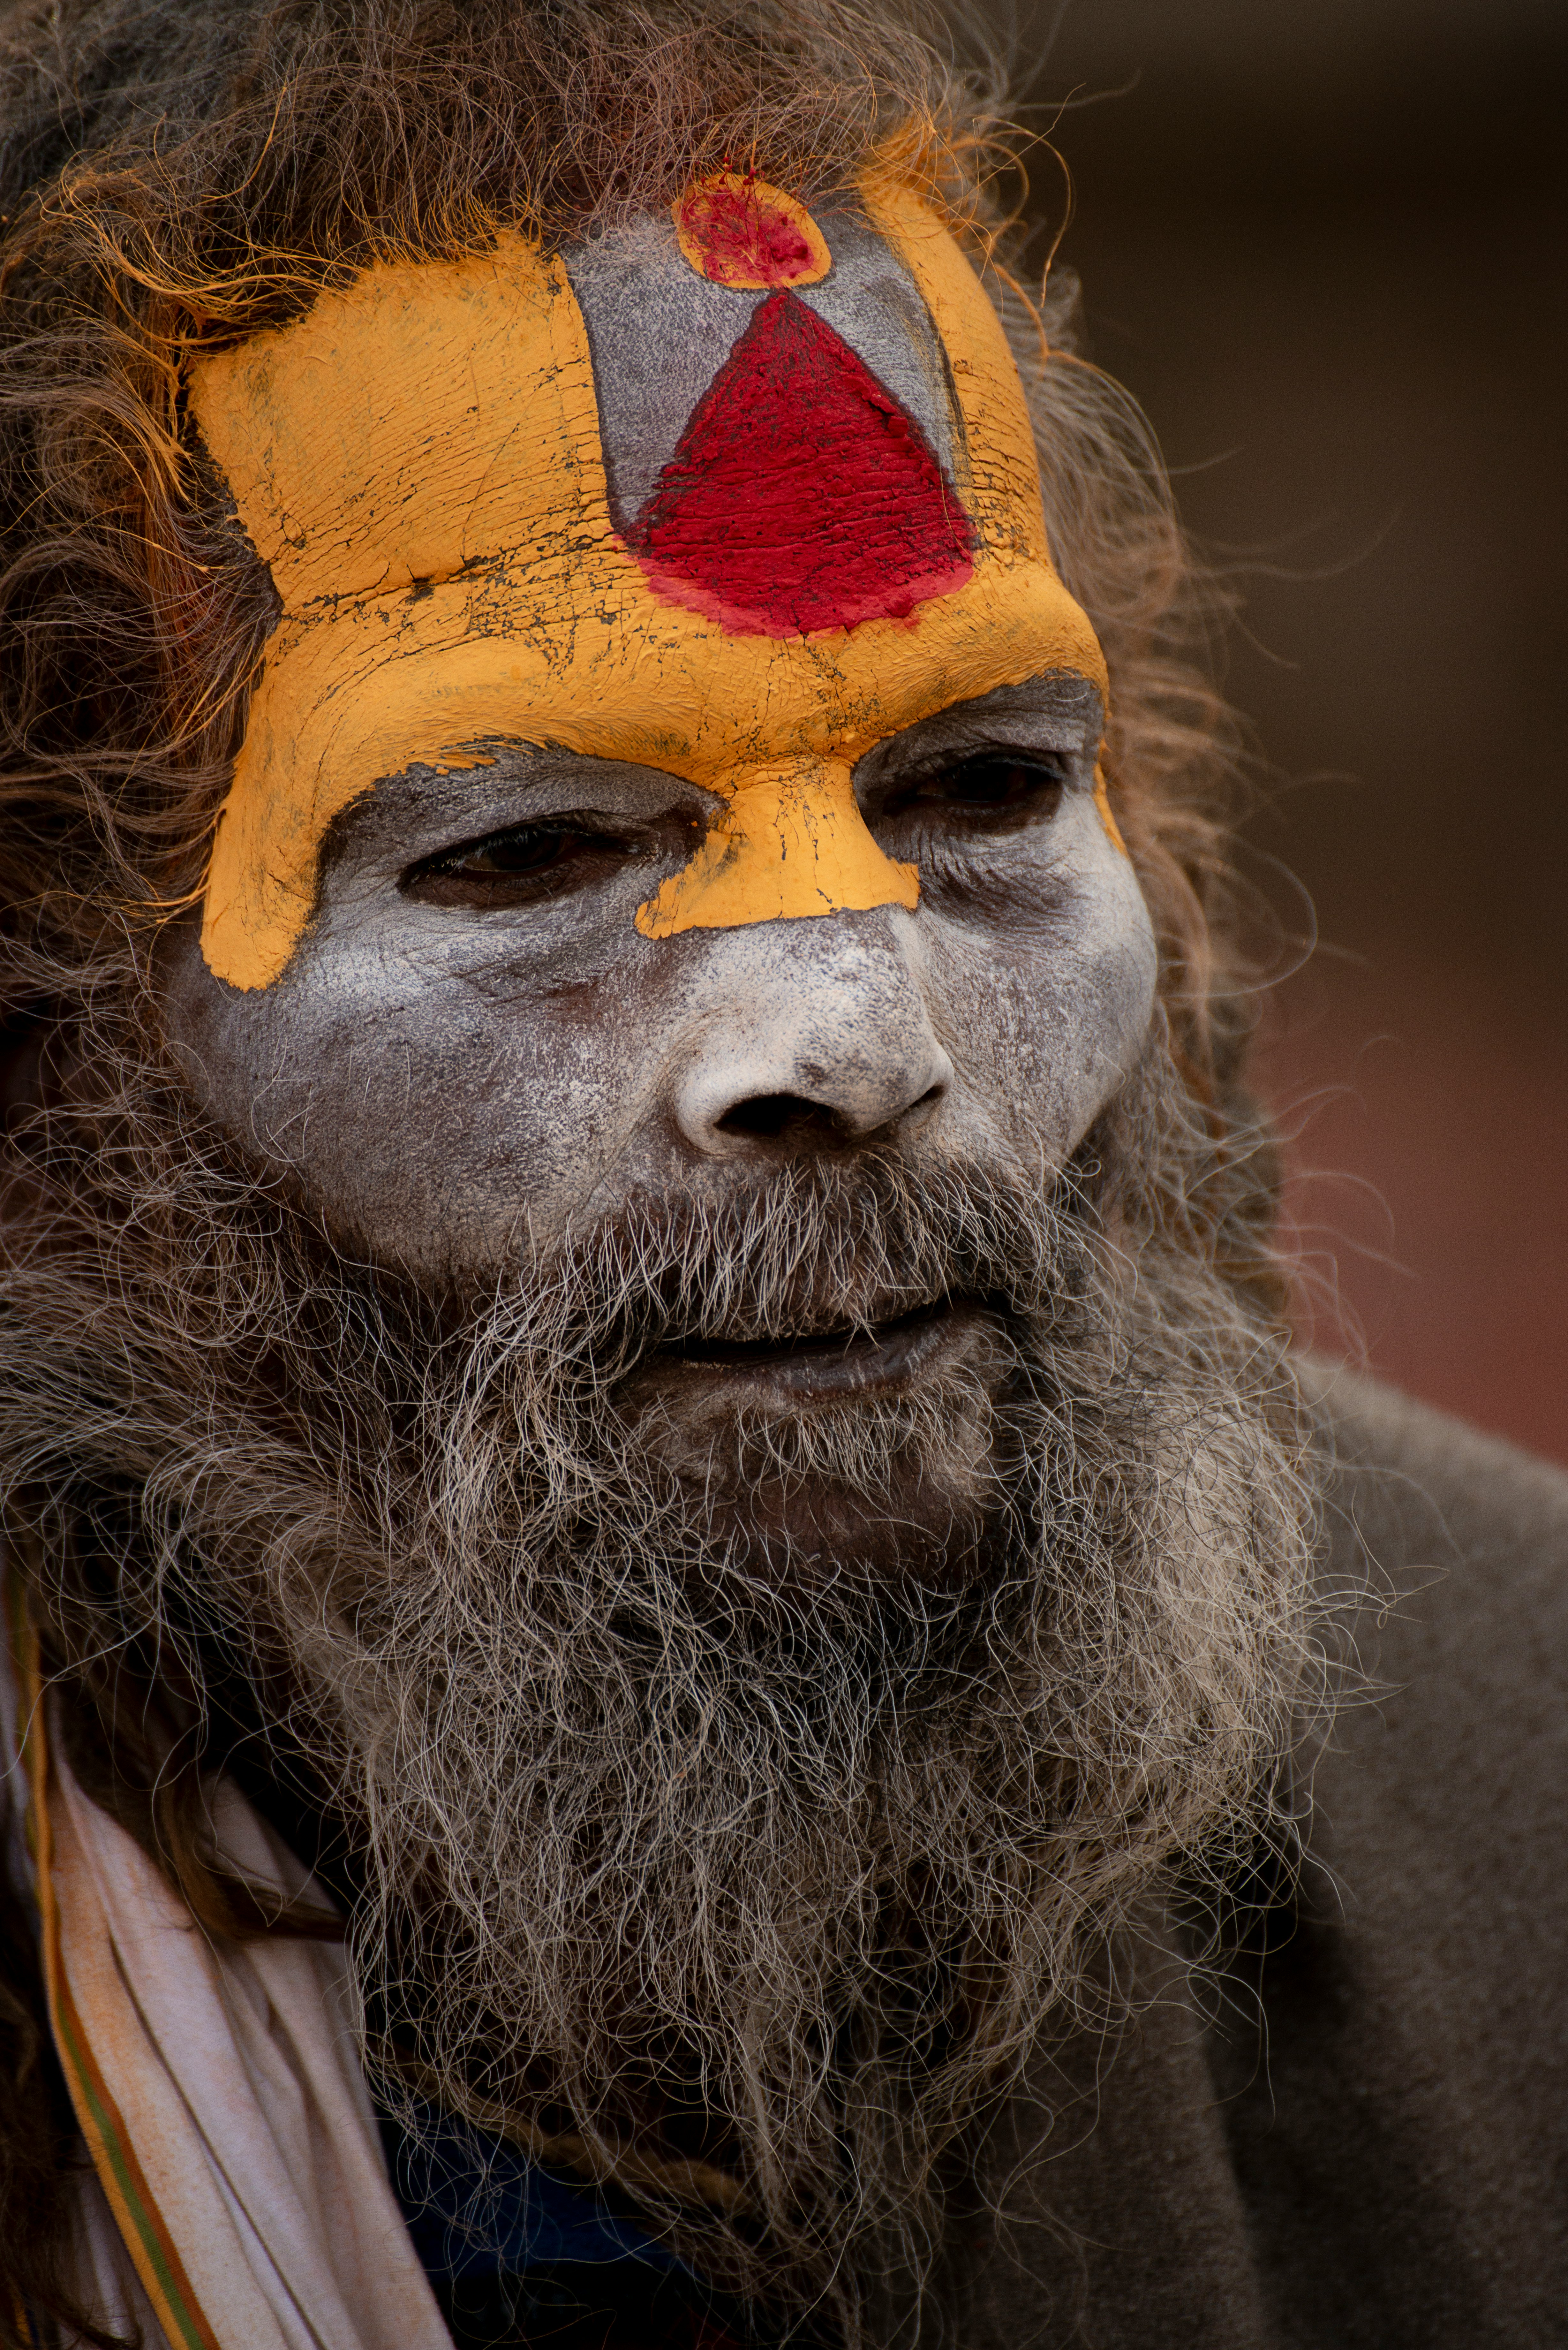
[
  {"x": 795, "y": 1118},
  {"x": 771, "y": 1115}
]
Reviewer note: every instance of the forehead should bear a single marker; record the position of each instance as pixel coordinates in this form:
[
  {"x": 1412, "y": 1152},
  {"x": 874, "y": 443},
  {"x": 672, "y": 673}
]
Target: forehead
[
  {"x": 432, "y": 417},
  {"x": 630, "y": 500}
]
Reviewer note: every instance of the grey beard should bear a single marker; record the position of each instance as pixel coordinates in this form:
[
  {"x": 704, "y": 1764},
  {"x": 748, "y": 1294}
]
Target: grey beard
[{"x": 666, "y": 1855}]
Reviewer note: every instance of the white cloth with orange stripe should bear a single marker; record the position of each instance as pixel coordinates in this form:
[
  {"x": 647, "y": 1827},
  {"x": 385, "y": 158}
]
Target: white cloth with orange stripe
[{"x": 239, "y": 2198}]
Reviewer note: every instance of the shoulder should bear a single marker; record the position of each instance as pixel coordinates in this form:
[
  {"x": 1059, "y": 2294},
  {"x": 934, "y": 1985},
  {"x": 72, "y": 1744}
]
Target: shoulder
[
  {"x": 1405, "y": 1473},
  {"x": 1439, "y": 1799},
  {"x": 1404, "y": 2112},
  {"x": 1458, "y": 1543}
]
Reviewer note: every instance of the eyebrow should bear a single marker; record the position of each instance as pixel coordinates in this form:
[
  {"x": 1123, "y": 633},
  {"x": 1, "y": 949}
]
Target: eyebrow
[
  {"x": 482, "y": 755},
  {"x": 1053, "y": 693}
]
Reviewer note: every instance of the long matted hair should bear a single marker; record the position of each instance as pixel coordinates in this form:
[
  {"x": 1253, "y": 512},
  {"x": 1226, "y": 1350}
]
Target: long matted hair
[{"x": 177, "y": 175}]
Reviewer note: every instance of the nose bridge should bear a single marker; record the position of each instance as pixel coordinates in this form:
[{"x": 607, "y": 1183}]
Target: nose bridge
[
  {"x": 789, "y": 842},
  {"x": 825, "y": 1018}
]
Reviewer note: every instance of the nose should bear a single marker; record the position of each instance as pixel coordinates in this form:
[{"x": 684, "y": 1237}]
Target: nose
[{"x": 815, "y": 1035}]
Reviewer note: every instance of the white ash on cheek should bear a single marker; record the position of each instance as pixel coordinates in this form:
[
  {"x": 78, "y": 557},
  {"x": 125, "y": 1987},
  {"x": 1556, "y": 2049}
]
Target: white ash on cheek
[
  {"x": 1046, "y": 1019},
  {"x": 444, "y": 1087},
  {"x": 430, "y": 1118}
]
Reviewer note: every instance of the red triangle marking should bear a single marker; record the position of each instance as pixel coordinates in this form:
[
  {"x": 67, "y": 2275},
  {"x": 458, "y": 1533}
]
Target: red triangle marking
[{"x": 801, "y": 494}]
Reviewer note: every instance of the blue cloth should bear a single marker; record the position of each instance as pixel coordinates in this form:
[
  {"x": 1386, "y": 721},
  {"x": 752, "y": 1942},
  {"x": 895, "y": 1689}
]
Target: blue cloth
[{"x": 477, "y": 2207}]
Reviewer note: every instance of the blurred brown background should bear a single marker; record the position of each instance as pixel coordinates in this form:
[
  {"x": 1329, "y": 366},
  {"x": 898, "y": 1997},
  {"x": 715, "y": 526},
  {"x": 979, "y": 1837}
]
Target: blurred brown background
[{"x": 1324, "y": 243}]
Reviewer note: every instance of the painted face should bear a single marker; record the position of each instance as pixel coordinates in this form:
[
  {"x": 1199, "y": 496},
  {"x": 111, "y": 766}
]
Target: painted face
[{"x": 676, "y": 747}]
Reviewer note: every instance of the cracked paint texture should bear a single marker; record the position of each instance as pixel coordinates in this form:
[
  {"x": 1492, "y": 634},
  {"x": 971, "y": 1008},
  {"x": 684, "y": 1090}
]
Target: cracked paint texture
[{"x": 418, "y": 461}]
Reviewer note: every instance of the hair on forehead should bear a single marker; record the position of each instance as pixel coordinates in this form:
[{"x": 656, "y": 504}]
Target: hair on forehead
[{"x": 225, "y": 147}]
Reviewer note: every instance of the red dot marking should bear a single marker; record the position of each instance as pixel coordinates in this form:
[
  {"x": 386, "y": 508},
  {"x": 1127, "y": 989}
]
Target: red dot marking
[{"x": 744, "y": 239}]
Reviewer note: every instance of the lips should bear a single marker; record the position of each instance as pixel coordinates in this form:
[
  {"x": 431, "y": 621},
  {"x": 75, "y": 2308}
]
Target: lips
[{"x": 882, "y": 1357}]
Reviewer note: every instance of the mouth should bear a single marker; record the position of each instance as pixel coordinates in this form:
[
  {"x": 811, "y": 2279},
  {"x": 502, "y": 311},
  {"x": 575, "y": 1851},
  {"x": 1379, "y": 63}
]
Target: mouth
[{"x": 880, "y": 1356}]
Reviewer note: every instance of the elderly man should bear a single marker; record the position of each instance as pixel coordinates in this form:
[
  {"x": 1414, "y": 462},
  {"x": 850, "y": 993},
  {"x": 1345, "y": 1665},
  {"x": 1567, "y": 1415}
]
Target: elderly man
[{"x": 674, "y": 1606}]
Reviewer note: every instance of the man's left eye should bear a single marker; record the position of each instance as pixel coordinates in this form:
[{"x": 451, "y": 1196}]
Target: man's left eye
[{"x": 993, "y": 782}]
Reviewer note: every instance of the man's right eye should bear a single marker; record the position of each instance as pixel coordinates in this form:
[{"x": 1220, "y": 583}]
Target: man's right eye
[
  {"x": 528, "y": 850},
  {"x": 529, "y": 861}
]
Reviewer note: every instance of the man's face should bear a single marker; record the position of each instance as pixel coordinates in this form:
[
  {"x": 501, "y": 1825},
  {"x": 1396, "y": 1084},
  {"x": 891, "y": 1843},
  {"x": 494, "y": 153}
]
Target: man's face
[
  {"x": 742, "y": 808},
  {"x": 472, "y": 1044}
]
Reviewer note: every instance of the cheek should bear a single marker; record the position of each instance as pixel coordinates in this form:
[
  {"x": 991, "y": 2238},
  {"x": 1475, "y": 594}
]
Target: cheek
[
  {"x": 431, "y": 1113},
  {"x": 1044, "y": 1018}
]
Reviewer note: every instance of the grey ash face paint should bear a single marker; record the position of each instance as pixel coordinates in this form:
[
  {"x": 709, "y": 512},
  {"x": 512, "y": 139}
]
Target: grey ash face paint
[{"x": 473, "y": 1044}]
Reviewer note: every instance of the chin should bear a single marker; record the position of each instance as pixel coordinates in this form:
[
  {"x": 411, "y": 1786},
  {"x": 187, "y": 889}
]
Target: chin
[
  {"x": 852, "y": 1497},
  {"x": 820, "y": 1539}
]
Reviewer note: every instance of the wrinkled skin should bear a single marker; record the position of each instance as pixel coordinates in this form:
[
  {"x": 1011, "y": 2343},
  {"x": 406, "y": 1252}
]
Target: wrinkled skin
[
  {"x": 472, "y": 1046},
  {"x": 472, "y": 1049}
]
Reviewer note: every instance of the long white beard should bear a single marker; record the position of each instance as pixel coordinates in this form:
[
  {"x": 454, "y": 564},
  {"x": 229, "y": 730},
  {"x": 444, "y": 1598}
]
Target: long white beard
[{"x": 667, "y": 1854}]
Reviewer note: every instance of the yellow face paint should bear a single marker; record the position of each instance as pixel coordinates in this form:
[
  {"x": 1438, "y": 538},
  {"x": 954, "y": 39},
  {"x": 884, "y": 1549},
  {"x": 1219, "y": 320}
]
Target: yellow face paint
[{"x": 419, "y": 462}]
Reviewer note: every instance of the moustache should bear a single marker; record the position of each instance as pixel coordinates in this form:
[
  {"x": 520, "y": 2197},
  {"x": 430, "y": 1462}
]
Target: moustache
[{"x": 812, "y": 1250}]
